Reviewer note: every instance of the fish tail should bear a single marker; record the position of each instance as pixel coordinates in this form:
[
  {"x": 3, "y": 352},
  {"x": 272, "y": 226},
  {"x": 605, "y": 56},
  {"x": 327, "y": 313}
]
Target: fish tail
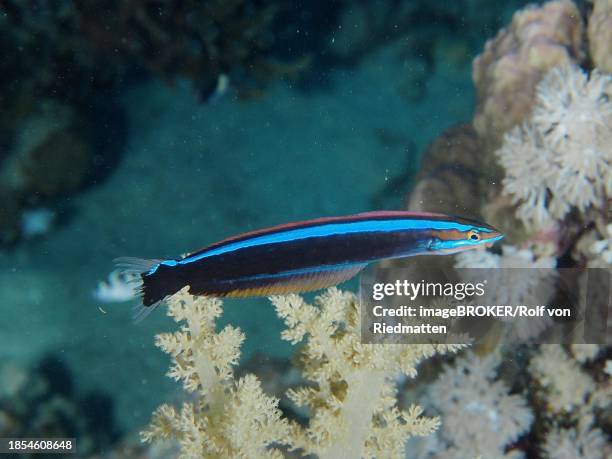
[{"x": 141, "y": 274}]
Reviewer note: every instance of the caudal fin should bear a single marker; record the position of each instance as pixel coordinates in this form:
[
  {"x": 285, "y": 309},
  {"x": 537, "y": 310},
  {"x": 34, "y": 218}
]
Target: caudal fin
[{"x": 136, "y": 269}]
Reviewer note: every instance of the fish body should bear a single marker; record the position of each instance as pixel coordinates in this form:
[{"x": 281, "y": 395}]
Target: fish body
[{"x": 307, "y": 255}]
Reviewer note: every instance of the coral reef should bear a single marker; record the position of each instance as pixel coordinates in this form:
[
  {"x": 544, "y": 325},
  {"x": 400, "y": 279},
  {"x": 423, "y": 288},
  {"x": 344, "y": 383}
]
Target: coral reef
[
  {"x": 496, "y": 407},
  {"x": 352, "y": 405},
  {"x": 530, "y": 282},
  {"x": 480, "y": 417},
  {"x": 547, "y": 123},
  {"x": 451, "y": 176},
  {"x": 231, "y": 418},
  {"x": 41, "y": 402},
  {"x": 556, "y": 167},
  {"x": 603, "y": 247},
  {"x": 585, "y": 352},
  {"x": 507, "y": 72},
  {"x": 278, "y": 376},
  {"x": 48, "y": 143},
  {"x": 561, "y": 160},
  {"x": 600, "y": 35},
  {"x": 50, "y": 156},
  {"x": 556, "y": 170},
  {"x": 577, "y": 443},
  {"x": 565, "y": 384},
  {"x": 574, "y": 405},
  {"x": 118, "y": 287}
]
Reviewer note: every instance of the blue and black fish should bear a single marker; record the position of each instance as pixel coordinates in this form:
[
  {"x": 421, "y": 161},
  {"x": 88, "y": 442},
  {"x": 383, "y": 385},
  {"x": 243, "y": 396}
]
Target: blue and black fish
[{"x": 304, "y": 256}]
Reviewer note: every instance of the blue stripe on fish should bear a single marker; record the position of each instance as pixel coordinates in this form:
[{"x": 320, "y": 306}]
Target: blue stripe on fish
[
  {"x": 306, "y": 255},
  {"x": 329, "y": 230}
]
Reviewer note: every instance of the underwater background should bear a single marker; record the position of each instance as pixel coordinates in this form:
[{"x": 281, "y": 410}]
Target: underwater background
[{"x": 153, "y": 128}]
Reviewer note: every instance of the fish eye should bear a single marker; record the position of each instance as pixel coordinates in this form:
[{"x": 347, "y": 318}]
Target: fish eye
[{"x": 473, "y": 235}]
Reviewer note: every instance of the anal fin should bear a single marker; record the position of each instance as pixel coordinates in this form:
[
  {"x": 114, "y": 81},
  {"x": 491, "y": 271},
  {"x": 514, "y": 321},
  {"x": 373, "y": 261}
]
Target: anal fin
[{"x": 291, "y": 282}]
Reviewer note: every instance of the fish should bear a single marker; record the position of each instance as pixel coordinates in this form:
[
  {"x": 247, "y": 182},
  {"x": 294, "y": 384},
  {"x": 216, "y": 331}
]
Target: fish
[{"x": 302, "y": 256}]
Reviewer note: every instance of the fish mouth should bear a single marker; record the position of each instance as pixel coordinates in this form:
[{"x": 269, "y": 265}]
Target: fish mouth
[{"x": 493, "y": 239}]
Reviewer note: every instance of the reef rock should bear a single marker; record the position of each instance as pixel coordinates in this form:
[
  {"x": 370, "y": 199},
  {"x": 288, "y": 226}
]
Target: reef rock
[
  {"x": 507, "y": 72},
  {"x": 452, "y": 169},
  {"x": 41, "y": 401},
  {"x": 50, "y": 155},
  {"x": 450, "y": 181},
  {"x": 600, "y": 35}
]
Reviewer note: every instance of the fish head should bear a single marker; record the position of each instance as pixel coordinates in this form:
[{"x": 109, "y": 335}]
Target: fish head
[{"x": 461, "y": 235}]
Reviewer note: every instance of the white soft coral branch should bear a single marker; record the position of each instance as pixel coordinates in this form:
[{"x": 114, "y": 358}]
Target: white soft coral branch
[
  {"x": 562, "y": 157},
  {"x": 352, "y": 412},
  {"x": 231, "y": 418},
  {"x": 353, "y": 403}
]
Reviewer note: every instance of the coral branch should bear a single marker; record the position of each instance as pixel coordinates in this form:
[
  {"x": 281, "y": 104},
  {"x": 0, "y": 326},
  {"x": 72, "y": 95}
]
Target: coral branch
[
  {"x": 353, "y": 407},
  {"x": 231, "y": 418},
  {"x": 353, "y": 403}
]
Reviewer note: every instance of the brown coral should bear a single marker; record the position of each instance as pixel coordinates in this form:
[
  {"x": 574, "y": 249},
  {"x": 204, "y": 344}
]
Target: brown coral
[
  {"x": 600, "y": 35},
  {"x": 511, "y": 66},
  {"x": 59, "y": 165},
  {"x": 451, "y": 180},
  {"x": 49, "y": 156},
  {"x": 451, "y": 173}
]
